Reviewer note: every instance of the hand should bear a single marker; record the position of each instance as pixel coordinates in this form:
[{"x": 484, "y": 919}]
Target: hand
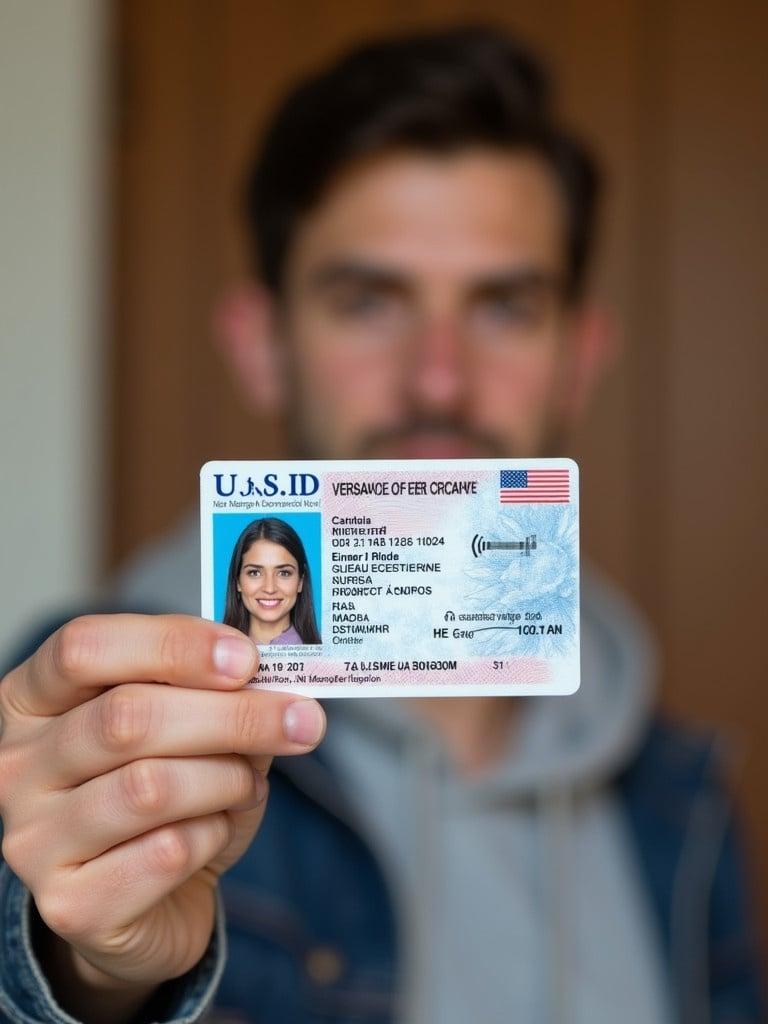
[{"x": 132, "y": 774}]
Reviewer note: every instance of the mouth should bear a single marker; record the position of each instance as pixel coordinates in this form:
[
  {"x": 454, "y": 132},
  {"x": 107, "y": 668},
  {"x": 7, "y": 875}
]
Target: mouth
[{"x": 268, "y": 602}]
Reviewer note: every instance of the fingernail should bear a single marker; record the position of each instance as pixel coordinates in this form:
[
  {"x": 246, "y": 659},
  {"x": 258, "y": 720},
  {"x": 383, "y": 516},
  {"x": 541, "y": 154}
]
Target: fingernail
[
  {"x": 234, "y": 656},
  {"x": 304, "y": 722}
]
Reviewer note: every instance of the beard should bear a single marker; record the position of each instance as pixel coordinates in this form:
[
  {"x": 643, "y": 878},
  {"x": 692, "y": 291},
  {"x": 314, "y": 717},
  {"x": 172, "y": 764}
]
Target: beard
[
  {"x": 449, "y": 437},
  {"x": 449, "y": 434}
]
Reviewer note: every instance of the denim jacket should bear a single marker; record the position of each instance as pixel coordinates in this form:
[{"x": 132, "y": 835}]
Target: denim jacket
[{"x": 311, "y": 935}]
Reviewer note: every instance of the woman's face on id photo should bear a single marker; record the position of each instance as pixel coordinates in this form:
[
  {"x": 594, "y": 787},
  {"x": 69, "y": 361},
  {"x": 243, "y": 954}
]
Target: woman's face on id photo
[{"x": 269, "y": 581}]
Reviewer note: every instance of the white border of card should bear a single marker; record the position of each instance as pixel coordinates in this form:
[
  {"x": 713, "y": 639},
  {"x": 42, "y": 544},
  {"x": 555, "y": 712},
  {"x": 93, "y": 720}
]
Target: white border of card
[{"x": 427, "y": 577}]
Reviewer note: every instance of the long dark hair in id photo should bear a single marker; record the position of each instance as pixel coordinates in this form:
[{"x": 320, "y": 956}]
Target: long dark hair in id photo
[{"x": 269, "y": 584}]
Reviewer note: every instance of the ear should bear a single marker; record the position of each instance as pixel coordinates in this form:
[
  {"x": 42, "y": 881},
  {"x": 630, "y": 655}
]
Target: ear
[
  {"x": 244, "y": 330},
  {"x": 594, "y": 345}
]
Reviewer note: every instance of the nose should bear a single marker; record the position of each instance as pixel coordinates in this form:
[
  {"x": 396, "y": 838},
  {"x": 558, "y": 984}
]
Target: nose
[
  {"x": 268, "y": 584},
  {"x": 437, "y": 377}
]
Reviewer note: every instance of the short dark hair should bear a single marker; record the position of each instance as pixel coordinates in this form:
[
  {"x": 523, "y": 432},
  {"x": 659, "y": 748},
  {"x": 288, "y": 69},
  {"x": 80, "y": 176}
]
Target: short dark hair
[{"x": 435, "y": 92}]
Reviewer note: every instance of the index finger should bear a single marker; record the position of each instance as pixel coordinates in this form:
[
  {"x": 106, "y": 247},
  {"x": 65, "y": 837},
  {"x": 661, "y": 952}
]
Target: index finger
[{"x": 91, "y": 653}]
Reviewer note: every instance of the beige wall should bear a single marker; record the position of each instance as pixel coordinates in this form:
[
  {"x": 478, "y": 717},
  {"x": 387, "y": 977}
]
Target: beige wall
[{"x": 51, "y": 212}]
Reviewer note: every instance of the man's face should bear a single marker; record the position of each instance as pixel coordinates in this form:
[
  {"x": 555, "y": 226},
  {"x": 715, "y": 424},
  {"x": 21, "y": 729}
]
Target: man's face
[{"x": 423, "y": 311}]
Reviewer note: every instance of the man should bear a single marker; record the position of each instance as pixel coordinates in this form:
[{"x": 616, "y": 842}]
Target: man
[{"x": 421, "y": 228}]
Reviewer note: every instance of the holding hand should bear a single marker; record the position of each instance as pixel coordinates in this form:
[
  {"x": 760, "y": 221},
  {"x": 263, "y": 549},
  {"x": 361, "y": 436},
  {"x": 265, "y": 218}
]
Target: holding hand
[{"x": 132, "y": 774}]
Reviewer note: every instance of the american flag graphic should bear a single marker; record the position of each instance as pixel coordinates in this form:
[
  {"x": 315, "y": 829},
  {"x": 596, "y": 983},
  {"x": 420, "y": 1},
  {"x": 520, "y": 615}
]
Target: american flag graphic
[{"x": 540, "y": 486}]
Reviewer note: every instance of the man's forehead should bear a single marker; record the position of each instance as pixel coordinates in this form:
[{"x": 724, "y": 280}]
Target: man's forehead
[{"x": 475, "y": 211}]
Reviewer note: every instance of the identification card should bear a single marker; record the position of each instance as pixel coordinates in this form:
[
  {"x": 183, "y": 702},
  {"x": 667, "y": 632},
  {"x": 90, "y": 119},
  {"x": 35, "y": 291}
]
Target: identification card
[{"x": 398, "y": 578}]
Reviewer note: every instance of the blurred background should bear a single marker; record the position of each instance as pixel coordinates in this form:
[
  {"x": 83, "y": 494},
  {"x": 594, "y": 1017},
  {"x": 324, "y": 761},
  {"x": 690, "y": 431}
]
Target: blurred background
[{"x": 124, "y": 130}]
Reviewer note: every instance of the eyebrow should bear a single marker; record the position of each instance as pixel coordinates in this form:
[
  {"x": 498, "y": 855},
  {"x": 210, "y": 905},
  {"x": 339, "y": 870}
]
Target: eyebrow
[
  {"x": 257, "y": 565},
  {"x": 518, "y": 279},
  {"x": 360, "y": 271},
  {"x": 354, "y": 271}
]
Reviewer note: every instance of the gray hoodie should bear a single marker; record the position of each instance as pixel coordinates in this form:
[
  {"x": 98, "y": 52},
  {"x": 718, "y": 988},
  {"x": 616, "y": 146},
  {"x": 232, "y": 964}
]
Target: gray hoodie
[{"x": 519, "y": 892}]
